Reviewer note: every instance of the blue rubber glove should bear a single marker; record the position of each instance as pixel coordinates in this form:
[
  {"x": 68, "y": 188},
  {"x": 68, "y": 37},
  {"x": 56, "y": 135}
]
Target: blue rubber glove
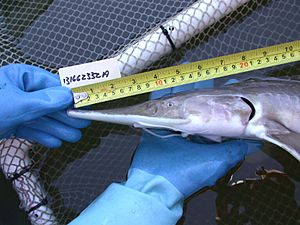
[
  {"x": 33, "y": 106},
  {"x": 163, "y": 173},
  {"x": 187, "y": 165}
]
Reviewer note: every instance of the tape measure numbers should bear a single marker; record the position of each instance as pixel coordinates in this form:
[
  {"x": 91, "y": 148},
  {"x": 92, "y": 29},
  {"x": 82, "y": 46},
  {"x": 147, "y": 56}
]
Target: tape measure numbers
[{"x": 187, "y": 73}]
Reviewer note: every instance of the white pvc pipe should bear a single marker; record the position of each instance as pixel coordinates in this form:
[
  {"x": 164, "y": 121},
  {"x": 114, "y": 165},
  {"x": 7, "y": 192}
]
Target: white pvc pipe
[
  {"x": 188, "y": 23},
  {"x": 13, "y": 159}
]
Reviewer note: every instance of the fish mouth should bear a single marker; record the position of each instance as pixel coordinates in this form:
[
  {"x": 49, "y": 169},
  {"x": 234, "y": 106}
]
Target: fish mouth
[{"x": 159, "y": 123}]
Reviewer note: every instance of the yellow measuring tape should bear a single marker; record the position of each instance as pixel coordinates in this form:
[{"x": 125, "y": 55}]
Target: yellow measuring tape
[{"x": 188, "y": 73}]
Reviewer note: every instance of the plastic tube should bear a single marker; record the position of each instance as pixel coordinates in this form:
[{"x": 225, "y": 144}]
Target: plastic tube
[{"x": 186, "y": 24}]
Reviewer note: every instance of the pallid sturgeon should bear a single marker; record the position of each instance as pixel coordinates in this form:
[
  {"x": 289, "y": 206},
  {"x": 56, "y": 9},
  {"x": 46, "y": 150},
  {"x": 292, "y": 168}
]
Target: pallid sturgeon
[{"x": 267, "y": 109}]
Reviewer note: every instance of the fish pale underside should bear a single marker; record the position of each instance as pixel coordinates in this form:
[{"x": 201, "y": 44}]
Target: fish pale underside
[{"x": 265, "y": 108}]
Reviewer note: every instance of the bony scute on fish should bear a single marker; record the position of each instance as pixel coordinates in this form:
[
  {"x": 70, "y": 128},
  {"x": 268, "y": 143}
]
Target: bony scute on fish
[{"x": 266, "y": 108}]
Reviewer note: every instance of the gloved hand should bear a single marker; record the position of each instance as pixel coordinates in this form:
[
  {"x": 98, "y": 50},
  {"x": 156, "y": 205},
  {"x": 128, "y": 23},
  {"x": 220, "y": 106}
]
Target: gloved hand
[
  {"x": 33, "y": 104},
  {"x": 188, "y": 166},
  {"x": 163, "y": 173}
]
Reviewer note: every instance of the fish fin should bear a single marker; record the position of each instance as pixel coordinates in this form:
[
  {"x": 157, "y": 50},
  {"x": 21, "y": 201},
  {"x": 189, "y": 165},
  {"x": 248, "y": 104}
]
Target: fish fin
[
  {"x": 206, "y": 139},
  {"x": 214, "y": 138},
  {"x": 278, "y": 134}
]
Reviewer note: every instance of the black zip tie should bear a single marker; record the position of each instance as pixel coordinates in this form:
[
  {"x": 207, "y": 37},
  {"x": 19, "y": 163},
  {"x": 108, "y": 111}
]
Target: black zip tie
[
  {"x": 43, "y": 202},
  {"x": 166, "y": 33},
  {"x": 16, "y": 175}
]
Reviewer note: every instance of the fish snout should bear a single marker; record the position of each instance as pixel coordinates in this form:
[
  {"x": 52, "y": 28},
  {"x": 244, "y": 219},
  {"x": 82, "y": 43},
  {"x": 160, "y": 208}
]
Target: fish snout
[{"x": 151, "y": 108}]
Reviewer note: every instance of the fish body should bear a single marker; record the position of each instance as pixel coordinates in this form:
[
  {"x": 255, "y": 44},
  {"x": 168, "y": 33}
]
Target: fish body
[{"x": 266, "y": 109}]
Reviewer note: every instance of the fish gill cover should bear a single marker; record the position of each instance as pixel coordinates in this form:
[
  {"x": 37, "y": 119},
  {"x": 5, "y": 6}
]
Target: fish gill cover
[{"x": 54, "y": 33}]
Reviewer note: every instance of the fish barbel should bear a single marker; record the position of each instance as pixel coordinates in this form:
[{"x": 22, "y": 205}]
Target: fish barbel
[{"x": 267, "y": 109}]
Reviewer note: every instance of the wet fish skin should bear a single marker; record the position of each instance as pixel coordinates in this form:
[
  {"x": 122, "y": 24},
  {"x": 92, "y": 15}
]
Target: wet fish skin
[{"x": 267, "y": 109}]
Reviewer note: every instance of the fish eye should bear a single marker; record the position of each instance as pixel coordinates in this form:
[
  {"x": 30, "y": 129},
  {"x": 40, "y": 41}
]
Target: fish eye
[{"x": 170, "y": 104}]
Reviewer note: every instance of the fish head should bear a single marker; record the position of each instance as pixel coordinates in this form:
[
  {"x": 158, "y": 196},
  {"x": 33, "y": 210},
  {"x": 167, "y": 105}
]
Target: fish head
[
  {"x": 162, "y": 113},
  {"x": 216, "y": 115},
  {"x": 192, "y": 113},
  {"x": 223, "y": 115}
]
